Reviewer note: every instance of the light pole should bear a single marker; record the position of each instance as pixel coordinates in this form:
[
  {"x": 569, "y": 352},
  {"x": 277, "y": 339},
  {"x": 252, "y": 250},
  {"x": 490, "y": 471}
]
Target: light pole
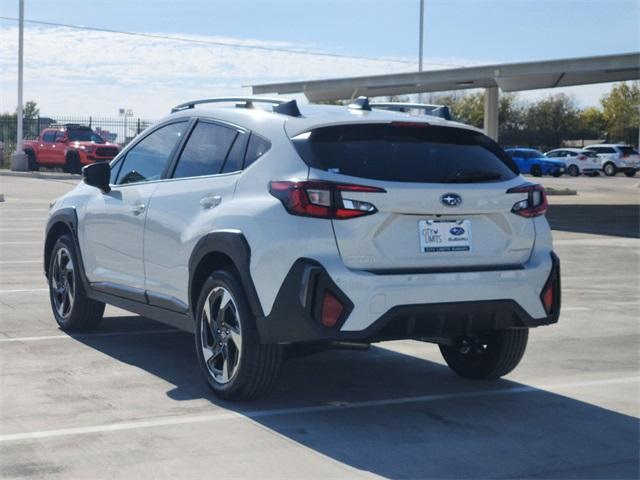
[
  {"x": 420, "y": 43},
  {"x": 19, "y": 159}
]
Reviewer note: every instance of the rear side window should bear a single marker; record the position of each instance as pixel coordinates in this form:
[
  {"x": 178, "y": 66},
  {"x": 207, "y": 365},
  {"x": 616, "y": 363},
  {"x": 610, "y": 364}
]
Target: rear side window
[
  {"x": 406, "y": 153},
  {"x": 589, "y": 153},
  {"x": 206, "y": 150},
  {"x": 257, "y": 147},
  {"x": 628, "y": 150}
]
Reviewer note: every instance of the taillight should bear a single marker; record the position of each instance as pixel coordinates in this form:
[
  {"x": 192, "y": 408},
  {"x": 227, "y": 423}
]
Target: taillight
[
  {"x": 322, "y": 199},
  {"x": 582, "y": 157},
  {"x": 534, "y": 205}
]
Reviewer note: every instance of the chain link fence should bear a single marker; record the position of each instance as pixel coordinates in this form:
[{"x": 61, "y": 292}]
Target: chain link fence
[{"x": 119, "y": 130}]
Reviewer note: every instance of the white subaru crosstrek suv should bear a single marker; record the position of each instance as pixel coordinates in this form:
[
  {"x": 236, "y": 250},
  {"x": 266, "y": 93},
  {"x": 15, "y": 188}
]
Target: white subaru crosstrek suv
[
  {"x": 330, "y": 226},
  {"x": 617, "y": 158}
]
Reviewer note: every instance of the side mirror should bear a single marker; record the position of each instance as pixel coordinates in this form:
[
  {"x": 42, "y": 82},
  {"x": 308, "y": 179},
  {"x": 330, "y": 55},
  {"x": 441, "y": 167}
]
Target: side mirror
[
  {"x": 61, "y": 140},
  {"x": 98, "y": 175}
]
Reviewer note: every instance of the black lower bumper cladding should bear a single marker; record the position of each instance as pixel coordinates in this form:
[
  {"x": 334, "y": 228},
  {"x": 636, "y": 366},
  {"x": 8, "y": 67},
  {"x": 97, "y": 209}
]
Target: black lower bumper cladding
[{"x": 295, "y": 316}]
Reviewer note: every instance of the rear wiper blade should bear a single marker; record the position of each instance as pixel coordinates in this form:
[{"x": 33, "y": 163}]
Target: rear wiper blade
[{"x": 472, "y": 177}]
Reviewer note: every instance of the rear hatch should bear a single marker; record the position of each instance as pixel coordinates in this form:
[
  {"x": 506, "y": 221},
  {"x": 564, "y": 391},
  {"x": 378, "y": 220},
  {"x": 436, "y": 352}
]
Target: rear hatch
[
  {"x": 444, "y": 204},
  {"x": 629, "y": 155}
]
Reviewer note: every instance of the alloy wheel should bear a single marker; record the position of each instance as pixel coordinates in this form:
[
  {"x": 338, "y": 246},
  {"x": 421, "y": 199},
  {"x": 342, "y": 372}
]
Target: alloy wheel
[
  {"x": 221, "y": 335},
  {"x": 63, "y": 286}
]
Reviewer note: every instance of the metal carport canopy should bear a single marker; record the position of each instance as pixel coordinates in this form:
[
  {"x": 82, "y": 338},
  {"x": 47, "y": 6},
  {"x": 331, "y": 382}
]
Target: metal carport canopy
[{"x": 510, "y": 77}]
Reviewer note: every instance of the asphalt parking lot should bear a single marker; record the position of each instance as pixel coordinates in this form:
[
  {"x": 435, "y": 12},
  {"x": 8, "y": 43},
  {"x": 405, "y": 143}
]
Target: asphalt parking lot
[{"x": 127, "y": 401}]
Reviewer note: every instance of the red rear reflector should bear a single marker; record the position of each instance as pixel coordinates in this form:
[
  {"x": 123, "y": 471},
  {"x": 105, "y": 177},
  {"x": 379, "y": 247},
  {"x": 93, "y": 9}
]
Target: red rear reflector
[
  {"x": 534, "y": 205},
  {"x": 331, "y": 310},
  {"x": 547, "y": 297}
]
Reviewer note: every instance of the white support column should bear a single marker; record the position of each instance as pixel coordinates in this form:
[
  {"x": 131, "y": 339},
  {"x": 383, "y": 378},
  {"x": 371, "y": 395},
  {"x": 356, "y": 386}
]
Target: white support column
[{"x": 491, "y": 112}]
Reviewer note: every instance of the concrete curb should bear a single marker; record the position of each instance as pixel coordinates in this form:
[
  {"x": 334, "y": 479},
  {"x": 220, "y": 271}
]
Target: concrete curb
[
  {"x": 42, "y": 175},
  {"x": 560, "y": 192}
]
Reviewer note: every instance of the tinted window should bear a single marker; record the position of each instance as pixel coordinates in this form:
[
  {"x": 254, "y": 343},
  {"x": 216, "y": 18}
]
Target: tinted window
[
  {"x": 628, "y": 150},
  {"x": 589, "y": 153},
  {"x": 48, "y": 137},
  {"x": 553, "y": 154},
  {"x": 257, "y": 147},
  {"x": 148, "y": 158},
  {"x": 406, "y": 153},
  {"x": 233, "y": 163},
  {"x": 58, "y": 135},
  {"x": 84, "y": 136},
  {"x": 205, "y": 151}
]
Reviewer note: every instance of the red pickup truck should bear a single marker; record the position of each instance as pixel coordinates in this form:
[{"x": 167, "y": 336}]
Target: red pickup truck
[{"x": 70, "y": 146}]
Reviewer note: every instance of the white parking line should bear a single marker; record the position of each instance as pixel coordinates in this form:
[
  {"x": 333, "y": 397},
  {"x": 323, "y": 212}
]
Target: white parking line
[
  {"x": 40, "y": 242},
  {"x": 88, "y": 335},
  {"x": 256, "y": 414},
  {"x": 573, "y": 309},
  {"x": 25, "y": 290},
  {"x": 18, "y": 262}
]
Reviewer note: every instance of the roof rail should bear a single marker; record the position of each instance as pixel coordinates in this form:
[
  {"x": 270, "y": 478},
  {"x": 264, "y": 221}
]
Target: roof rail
[
  {"x": 281, "y": 105},
  {"x": 441, "y": 111},
  {"x": 360, "y": 103}
]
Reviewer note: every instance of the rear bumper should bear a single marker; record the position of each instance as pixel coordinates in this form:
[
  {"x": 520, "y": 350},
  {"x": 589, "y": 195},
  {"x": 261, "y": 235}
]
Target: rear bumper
[{"x": 297, "y": 309}]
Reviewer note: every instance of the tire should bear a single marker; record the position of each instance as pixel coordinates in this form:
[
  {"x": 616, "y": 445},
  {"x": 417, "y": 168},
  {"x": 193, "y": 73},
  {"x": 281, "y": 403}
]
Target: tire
[
  {"x": 32, "y": 164},
  {"x": 573, "y": 170},
  {"x": 71, "y": 308},
  {"x": 536, "y": 171},
  {"x": 610, "y": 169},
  {"x": 72, "y": 163},
  {"x": 245, "y": 373},
  {"x": 489, "y": 357},
  {"x": 630, "y": 173}
]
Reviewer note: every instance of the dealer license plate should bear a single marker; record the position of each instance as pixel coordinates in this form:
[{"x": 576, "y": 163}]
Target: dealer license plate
[{"x": 444, "y": 236}]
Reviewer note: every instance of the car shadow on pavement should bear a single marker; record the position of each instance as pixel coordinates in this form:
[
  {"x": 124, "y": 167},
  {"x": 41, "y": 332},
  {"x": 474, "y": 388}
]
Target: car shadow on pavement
[
  {"x": 616, "y": 220},
  {"x": 471, "y": 430}
]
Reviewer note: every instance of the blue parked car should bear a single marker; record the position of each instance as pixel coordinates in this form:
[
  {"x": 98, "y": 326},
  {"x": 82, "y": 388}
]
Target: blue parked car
[{"x": 534, "y": 162}]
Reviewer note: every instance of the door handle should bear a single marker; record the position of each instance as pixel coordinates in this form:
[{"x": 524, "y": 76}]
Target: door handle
[
  {"x": 138, "y": 209},
  {"x": 210, "y": 201}
]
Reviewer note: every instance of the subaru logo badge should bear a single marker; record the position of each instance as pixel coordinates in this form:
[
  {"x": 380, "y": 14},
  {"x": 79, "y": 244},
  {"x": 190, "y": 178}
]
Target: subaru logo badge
[
  {"x": 457, "y": 231},
  {"x": 451, "y": 199}
]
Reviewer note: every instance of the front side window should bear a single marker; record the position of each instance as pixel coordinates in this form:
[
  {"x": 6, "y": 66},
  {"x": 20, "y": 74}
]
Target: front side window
[
  {"x": 206, "y": 150},
  {"x": 148, "y": 158}
]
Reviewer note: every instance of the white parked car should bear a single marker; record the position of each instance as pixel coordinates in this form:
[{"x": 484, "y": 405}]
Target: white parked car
[
  {"x": 617, "y": 158},
  {"x": 577, "y": 160},
  {"x": 328, "y": 226}
]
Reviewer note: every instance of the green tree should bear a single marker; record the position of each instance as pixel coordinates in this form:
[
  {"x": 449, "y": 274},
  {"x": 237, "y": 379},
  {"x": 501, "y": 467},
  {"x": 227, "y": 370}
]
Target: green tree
[
  {"x": 592, "y": 123},
  {"x": 620, "y": 110},
  {"x": 30, "y": 110},
  {"x": 551, "y": 120}
]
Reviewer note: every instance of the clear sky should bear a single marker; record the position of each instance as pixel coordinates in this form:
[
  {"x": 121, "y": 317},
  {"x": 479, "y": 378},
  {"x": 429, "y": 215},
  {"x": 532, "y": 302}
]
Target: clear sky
[{"x": 457, "y": 32}]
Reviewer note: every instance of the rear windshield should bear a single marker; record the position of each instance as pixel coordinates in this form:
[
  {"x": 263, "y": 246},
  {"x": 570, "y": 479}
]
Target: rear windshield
[
  {"x": 628, "y": 151},
  {"x": 406, "y": 153}
]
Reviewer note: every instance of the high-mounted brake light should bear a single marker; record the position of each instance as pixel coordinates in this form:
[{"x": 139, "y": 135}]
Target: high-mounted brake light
[
  {"x": 322, "y": 199},
  {"x": 534, "y": 205}
]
